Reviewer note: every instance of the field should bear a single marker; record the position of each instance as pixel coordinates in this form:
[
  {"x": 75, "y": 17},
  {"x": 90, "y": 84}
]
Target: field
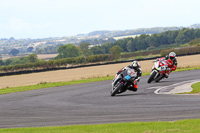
[
  {"x": 40, "y": 56},
  {"x": 84, "y": 73},
  {"x": 46, "y": 56},
  {"x": 122, "y": 37}
]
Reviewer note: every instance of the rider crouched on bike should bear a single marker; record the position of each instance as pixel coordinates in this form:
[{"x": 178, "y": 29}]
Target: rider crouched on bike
[
  {"x": 172, "y": 63},
  {"x": 136, "y": 66}
]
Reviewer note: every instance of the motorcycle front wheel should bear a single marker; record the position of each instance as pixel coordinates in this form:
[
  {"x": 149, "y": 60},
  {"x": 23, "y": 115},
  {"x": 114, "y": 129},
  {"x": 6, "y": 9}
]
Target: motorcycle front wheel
[
  {"x": 152, "y": 77},
  {"x": 116, "y": 89}
]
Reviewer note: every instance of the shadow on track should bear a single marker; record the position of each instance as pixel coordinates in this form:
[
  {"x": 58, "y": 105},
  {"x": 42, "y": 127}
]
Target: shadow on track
[{"x": 122, "y": 95}]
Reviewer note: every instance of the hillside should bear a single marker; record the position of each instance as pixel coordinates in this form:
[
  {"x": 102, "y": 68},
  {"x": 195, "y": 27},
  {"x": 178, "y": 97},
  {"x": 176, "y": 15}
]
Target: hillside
[{"x": 94, "y": 38}]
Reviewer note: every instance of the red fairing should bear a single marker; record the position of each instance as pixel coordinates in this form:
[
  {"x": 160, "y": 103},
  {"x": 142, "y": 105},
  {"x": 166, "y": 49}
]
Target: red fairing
[
  {"x": 120, "y": 71},
  {"x": 161, "y": 58}
]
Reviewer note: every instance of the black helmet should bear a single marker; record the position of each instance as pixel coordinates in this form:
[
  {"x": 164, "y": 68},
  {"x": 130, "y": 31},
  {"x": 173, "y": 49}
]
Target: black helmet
[{"x": 172, "y": 55}]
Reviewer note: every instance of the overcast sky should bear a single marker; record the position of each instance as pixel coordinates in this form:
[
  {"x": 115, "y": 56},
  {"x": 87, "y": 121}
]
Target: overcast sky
[{"x": 58, "y": 18}]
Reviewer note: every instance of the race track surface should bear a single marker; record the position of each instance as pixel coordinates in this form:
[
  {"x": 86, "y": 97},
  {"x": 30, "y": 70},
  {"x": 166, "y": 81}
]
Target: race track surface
[{"x": 91, "y": 103}]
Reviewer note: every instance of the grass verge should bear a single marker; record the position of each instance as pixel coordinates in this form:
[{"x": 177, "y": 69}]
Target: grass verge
[
  {"x": 182, "y": 126},
  {"x": 57, "y": 84},
  {"x": 196, "y": 89},
  {"x": 187, "y": 69}
]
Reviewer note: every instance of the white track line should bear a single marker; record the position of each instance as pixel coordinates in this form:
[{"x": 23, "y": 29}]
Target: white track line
[{"x": 176, "y": 84}]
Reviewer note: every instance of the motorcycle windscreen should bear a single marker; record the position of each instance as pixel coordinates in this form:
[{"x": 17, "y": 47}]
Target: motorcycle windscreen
[{"x": 127, "y": 77}]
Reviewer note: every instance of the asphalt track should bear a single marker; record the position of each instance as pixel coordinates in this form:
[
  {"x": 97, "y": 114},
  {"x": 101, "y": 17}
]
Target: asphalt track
[{"x": 91, "y": 103}]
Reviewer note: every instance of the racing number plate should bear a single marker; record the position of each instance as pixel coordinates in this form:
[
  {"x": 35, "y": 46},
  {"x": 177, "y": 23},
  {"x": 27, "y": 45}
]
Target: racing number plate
[{"x": 127, "y": 77}]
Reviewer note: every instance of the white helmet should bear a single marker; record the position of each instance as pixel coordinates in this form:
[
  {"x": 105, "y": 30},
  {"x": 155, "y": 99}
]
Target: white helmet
[
  {"x": 135, "y": 64},
  {"x": 172, "y": 55}
]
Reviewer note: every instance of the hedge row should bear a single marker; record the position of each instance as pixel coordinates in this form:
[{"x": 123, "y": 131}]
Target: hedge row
[
  {"x": 67, "y": 62},
  {"x": 181, "y": 51},
  {"x": 56, "y": 63},
  {"x": 144, "y": 53}
]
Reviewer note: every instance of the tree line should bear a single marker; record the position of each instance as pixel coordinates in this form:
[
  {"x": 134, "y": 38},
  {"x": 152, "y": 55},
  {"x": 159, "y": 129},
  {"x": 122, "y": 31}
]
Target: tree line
[
  {"x": 148, "y": 42},
  {"x": 142, "y": 42},
  {"x": 71, "y": 54}
]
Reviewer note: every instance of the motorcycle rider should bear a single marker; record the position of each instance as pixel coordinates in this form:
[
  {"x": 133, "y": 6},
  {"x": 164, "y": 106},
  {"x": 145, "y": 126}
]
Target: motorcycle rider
[
  {"x": 136, "y": 66},
  {"x": 172, "y": 63}
]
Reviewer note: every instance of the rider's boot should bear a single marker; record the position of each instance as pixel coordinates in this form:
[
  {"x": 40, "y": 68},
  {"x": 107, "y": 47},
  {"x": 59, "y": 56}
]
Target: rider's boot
[{"x": 133, "y": 88}]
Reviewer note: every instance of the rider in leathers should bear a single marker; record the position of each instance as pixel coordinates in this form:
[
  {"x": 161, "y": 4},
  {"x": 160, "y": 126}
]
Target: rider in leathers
[
  {"x": 136, "y": 66},
  {"x": 172, "y": 63}
]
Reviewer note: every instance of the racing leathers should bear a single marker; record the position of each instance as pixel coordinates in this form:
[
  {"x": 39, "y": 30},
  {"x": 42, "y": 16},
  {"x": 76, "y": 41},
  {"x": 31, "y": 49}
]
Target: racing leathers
[
  {"x": 172, "y": 65},
  {"x": 133, "y": 86}
]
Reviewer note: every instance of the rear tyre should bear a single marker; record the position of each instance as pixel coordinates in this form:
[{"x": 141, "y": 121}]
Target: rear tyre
[
  {"x": 114, "y": 91},
  {"x": 152, "y": 76}
]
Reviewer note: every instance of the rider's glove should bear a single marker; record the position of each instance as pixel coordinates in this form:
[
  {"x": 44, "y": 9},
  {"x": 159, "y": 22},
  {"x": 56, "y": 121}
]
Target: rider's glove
[{"x": 135, "y": 82}]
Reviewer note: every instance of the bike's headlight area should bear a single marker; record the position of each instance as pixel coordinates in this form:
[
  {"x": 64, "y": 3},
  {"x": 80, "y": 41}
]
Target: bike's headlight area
[
  {"x": 161, "y": 68},
  {"x": 129, "y": 72}
]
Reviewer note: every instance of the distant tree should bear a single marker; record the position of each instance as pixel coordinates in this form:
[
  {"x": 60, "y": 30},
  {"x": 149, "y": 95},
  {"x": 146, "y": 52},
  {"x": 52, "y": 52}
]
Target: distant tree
[
  {"x": 68, "y": 50},
  {"x": 5, "y": 50},
  {"x": 97, "y": 50},
  {"x": 115, "y": 51},
  {"x": 196, "y": 41},
  {"x": 84, "y": 47},
  {"x": 153, "y": 40},
  {"x": 39, "y": 51},
  {"x": 122, "y": 43},
  {"x": 32, "y": 58},
  {"x": 141, "y": 42},
  {"x": 1, "y": 61},
  {"x": 172, "y": 36},
  {"x": 12, "y": 39},
  {"x": 111, "y": 40},
  {"x": 130, "y": 45},
  {"x": 197, "y": 33},
  {"x": 184, "y": 36},
  {"x": 7, "y": 62},
  {"x": 14, "y": 52},
  {"x": 30, "y": 49}
]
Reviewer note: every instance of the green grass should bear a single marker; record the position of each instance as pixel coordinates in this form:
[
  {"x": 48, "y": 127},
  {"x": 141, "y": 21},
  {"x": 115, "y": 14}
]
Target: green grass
[
  {"x": 196, "y": 89},
  {"x": 57, "y": 84},
  {"x": 186, "y": 69},
  {"x": 182, "y": 126}
]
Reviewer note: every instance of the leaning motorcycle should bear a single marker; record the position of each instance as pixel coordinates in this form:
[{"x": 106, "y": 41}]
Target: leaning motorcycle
[
  {"x": 158, "y": 71},
  {"x": 122, "y": 81}
]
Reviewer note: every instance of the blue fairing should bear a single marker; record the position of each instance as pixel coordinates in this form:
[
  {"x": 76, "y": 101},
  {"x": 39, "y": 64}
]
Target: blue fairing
[{"x": 127, "y": 77}]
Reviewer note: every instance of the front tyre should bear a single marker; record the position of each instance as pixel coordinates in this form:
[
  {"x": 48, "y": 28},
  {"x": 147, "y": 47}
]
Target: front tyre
[
  {"x": 115, "y": 90},
  {"x": 152, "y": 76}
]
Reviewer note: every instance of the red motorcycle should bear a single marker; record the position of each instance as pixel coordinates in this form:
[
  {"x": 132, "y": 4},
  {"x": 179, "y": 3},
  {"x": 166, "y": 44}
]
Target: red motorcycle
[{"x": 159, "y": 69}]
